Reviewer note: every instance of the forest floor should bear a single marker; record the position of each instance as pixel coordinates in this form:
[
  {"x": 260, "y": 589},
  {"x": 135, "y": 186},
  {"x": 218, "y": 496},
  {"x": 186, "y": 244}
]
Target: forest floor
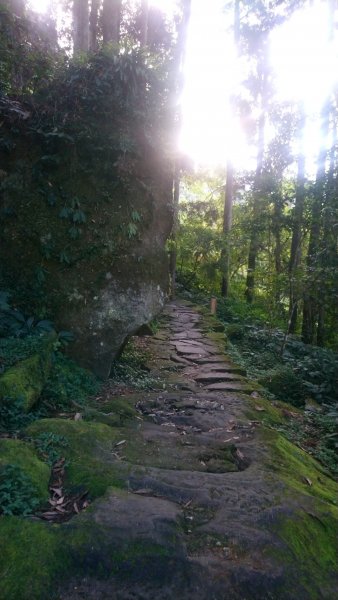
[
  {"x": 224, "y": 506},
  {"x": 197, "y": 495}
]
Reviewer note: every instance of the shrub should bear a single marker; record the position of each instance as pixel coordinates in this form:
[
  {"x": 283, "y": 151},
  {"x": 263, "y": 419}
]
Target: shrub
[
  {"x": 17, "y": 493},
  {"x": 285, "y": 385}
]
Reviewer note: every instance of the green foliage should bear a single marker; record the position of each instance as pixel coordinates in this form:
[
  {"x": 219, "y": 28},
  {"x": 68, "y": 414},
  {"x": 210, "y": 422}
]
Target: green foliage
[
  {"x": 317, "y": 432},
  {"x": 285, "y": 385},
  {"x": 67, "y": 383},
  {"x": 14, "y": 323},
  {"x": 13, "y": 417},
  {"x": 130, "y": 368},
  {"x": 14, "y": 350},
  {"x": 17, "y": 492},
  {"x": 50, "y": 446}
]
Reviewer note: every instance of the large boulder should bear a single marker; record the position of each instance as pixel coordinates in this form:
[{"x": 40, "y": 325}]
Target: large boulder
[{"x": 85, "y": 212}]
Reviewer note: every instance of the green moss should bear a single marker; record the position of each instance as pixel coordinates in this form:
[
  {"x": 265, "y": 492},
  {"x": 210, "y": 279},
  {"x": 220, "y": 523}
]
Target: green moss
[
  {"x": 262, "y": 410},
  {"x": 300, "y": 472},
  {"x": 118, "y": 409},
  {"x": 310, "y": 542},
  {"x": 22, "y": 454},
  {"x": 30, "y": 559},
  {"x": 26, "y": 379},
  {"x": 88, "y": 453}
]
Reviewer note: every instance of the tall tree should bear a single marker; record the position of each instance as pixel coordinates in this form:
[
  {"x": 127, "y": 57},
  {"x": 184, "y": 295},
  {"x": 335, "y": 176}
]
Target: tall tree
[
  {"x": 313, "y": 309},
  {"x": 179, "y": 58},
  {"x": 93, "y": 24},
  {"x": 80, "y": 25},
  {"x": 144, "y": 17},
  {"x": 229, "y": 186},
  {"x": 295, "y": 251},
  {"x": 111, "y": 20},
  {"x": 263, "y": 86}
]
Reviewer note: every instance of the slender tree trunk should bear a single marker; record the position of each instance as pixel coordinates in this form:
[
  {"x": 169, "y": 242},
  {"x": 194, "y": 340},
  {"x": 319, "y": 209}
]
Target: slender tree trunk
[
  {"x": 179, "y": 63},
  {"x": 144, "y": 23},
  {"x": 328, "y": 254},
  {"x": 93, "y": 25},
  {"x": 295, "y": 252},
  {"x": 229, "y": 189},
  {"x": 227, "y": 223},
  {"x": 111, "y": 20},
  {"x": 80, "y": 26},
  {"x": 257, "y": 192},
  {"x": 311, "y": 299}
]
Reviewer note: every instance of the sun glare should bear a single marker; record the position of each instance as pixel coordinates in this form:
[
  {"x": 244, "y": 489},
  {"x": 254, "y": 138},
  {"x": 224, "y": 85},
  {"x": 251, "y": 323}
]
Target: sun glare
[
  {"x": 303, "y": 58},
  {"x": 39, "y": 6},
  {"x": 305, "y": 69}
]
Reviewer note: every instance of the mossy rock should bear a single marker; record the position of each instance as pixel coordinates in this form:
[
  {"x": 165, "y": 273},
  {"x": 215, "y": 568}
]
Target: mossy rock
[
  {"x": 300, "y": 472},
  {"x": 88, "y": 453},
  {"x": 23, "y": 455},
  {"x": 308, "y": 545},
  {"x": 26, "y": 379}
]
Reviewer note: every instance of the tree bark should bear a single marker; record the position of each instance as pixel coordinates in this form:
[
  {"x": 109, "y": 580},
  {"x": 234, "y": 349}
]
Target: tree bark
[
  {"x": 295, "y": 252},
  {"x": 179, "y": 63},
  {"x": 257, "y": 192},
  {"x": 227, "y": 223},
  {"x": 229, "y": 189},
  {"x": 111, "y": 20},
  {"x": 144, "y": 23},
  {"x": 311, "y": 299},
  {"x": 93, "y": 25},
  {"x": 80, "y": 26}
]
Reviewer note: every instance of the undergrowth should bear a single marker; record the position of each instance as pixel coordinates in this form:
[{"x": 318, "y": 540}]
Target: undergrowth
[
  {"x": 68, "y": 383},
  {"x": 130, "y": 369},
  {"x": 17, "y": 492},
  {"x": 49, "y": 445},
  {"x": 13, "y": 418}
]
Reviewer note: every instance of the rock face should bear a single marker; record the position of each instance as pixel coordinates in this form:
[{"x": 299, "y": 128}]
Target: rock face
[{"x": 83, "y": 231}]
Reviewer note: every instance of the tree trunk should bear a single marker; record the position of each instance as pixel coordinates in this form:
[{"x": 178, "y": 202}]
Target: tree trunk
[
  {"x": 295, "y": 252},
  {"x": 179, "y": 63},
  {"x": 111, "y": 20},
  {"x": 311, "y": 295},
  {"x": 80, "y": 26},
  {"x": 229, "y": 189},
  {"x": 144, "y": 23},
  {"x": 257, "y": 192},
  {"x": 93, "y": 25},
  {"x": 227, "y": 223}
]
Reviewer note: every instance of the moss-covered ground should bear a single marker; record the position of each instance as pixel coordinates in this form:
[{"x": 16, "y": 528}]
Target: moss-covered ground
[{"x": 138, "y": 448}]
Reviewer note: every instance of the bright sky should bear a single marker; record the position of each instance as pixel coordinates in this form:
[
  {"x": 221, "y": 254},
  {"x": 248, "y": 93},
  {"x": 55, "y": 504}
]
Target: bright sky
[
  {"x": 304, "y": 62},
  {"x": 305, "y": 66}
]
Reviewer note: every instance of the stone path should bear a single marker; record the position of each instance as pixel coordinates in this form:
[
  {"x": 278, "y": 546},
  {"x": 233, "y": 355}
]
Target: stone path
[{"x": 206, "y": 501}]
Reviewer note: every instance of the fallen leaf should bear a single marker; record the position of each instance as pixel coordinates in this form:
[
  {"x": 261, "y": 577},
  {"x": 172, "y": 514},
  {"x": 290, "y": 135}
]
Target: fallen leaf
[
  {"x": 120, "y": 443},
  {"x": 239, "y": 454},
  {"x": 78, "y": 417},
  {"x": 259, "y": 408},
  {"x": 254, "y": 395},
  {"x": 307, "y": 480}
]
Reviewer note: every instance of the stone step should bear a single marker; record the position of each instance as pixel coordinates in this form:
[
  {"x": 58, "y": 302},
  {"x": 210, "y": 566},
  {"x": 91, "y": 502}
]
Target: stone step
[
  {"x": 229, "y": 386},
  {"x": 215, "y": 376}
]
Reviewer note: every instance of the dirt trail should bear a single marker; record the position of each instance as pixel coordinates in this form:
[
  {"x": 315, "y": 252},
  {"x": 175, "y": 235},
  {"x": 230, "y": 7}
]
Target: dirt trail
[{"x": 208, "y": 509}]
